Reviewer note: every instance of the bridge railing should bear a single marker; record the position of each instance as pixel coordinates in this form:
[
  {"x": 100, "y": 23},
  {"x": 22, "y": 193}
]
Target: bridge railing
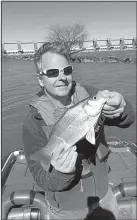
[{"x": 93, "y": 45}]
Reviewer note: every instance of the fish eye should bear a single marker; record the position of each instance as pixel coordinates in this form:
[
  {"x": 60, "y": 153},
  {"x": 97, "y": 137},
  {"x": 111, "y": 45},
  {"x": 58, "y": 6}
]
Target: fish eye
[{"x": 94, "y": 97}]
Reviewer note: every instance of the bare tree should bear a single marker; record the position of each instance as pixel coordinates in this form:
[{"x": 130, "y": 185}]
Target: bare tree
[{"x": 72, "y": 36}]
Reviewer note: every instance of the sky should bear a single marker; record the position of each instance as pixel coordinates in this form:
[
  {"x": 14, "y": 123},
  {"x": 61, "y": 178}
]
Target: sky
[{"x": 28, "y": 21}]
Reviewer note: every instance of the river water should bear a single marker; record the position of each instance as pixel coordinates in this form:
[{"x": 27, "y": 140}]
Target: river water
[{"x": 19, "y": 85}]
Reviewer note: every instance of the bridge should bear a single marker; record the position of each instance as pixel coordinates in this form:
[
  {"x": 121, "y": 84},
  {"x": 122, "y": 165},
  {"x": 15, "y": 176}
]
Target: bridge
[{"x": 90, "y": 45}]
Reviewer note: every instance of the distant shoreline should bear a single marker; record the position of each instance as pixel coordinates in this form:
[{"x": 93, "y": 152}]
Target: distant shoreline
[{"x": 113, "y": 56}]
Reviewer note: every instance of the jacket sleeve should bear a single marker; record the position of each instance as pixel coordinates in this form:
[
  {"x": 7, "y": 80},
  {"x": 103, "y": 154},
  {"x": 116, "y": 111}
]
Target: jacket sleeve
[
  {"x": 126, "y": 118},
  {"x": 34, "y": 139}
]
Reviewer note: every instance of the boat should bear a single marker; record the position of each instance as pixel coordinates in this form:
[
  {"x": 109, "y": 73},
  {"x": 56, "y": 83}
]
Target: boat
[{"x": 23, "y": 199}]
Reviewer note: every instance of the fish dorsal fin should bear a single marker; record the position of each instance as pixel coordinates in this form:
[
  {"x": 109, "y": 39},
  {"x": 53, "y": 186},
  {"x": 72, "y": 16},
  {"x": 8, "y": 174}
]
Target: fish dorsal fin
[
  {"x": 58, "y": 113},
  {"x": 90, "y": 136}
]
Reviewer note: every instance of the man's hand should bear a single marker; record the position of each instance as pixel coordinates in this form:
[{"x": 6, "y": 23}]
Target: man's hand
[
  {"x": 64, "y": 159},
  {"x": 115, "y": 104}
]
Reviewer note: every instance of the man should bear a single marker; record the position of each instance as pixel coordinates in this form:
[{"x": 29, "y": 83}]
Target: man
[{"x": 77, "y": 181}]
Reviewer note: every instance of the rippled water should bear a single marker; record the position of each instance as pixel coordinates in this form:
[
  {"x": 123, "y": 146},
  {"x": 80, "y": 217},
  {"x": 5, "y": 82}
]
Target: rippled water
[{"x": 19, "y": 85}]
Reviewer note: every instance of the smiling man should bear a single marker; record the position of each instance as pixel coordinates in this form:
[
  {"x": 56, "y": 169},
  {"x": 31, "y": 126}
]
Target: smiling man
[
  {"x": 56, "y": 76},
  {"x": 74, "y": 194}
]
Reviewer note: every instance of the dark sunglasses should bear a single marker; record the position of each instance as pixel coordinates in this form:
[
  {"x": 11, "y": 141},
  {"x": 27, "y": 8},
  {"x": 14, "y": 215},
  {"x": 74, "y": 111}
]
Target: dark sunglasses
[{"x": 55, "y": 72}]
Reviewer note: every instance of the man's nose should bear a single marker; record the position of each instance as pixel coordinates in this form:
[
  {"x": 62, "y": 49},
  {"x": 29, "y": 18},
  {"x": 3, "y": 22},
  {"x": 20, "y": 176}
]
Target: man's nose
[{"x": 62, "y": 75}]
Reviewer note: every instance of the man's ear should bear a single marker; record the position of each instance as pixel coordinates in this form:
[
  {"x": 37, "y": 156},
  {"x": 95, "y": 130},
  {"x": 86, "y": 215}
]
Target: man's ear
[{"x": 40, "y": 81}]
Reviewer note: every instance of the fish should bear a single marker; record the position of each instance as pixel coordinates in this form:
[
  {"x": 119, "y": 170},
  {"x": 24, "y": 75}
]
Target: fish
[{"x": 73, "y": 124}]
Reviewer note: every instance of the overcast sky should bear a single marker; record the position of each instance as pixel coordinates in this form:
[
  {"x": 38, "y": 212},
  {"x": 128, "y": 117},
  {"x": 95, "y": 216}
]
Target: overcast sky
[{"x": 27, "y": 21}]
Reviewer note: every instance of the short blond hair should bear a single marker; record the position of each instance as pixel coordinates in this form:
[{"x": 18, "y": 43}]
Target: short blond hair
[{"x": 55, "y": 47}]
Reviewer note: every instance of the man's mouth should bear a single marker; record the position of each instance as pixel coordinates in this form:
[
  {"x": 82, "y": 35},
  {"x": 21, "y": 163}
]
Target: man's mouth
[{"x": 64, "y": 85}]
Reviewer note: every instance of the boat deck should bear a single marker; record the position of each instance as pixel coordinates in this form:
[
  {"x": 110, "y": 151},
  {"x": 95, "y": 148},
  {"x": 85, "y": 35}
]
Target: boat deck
[
  {"x": 20, "y": 178},
  {"x": 122, "y": 169}
]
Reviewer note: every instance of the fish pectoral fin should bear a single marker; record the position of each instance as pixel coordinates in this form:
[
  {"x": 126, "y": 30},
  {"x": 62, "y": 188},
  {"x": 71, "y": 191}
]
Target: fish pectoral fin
[{"x": 90, "y": 136}]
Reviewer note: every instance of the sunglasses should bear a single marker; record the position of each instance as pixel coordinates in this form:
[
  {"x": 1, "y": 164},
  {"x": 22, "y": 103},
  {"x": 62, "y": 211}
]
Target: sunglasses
[{"x": 55, "y": 72}]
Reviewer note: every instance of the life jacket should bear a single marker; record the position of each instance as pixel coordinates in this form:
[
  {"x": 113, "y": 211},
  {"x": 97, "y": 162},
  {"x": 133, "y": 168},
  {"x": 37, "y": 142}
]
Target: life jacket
[{"x": 46, "y": 106}]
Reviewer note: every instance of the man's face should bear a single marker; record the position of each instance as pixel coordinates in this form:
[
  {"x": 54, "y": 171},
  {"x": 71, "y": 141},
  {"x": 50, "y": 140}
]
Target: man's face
[{"x": 60, "y": 85}]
